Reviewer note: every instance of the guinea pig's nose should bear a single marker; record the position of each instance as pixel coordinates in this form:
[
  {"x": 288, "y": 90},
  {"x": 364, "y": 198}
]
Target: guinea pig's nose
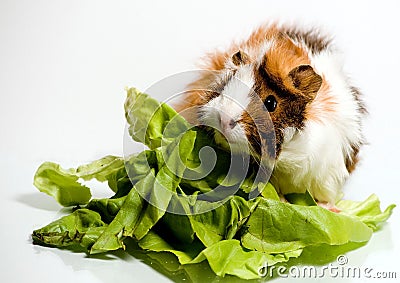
[
  {"x": 232, "y": 123},
  {"x": 225, "y": 121}
]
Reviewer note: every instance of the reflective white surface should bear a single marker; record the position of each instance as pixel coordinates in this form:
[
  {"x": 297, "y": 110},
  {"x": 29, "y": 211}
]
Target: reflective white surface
[{"x": 63, "y": 69}]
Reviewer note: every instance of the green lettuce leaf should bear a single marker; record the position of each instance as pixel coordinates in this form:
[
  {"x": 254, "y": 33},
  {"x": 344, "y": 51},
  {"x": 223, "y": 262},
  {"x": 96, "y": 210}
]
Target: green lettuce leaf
[
  {"x": 82, "y": 227},
  {"x": 163, "y": 186},
  {"x": 222, "y": 222},
  {"x": 268, "y": 191},
  {"x": 100, "y": 169},
  {"x": 153, "y": 242},
  {"x": 301, "y": 199},
  {"x": 148, "y": 120},
  {"x": 230, "y": 257},
  {"x": 108, "y": 208},
  {"x": 122, "y": 225},
  {"x": 280, "y": 227},
  {"x": 368, "y": 211},
  {"x": 63, "y": 184},
  {"x": 226, "y": 257}
]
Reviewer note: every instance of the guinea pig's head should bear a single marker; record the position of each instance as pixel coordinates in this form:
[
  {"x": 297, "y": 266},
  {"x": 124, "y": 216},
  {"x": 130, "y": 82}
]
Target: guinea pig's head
[{"x": 258, "y": 102}]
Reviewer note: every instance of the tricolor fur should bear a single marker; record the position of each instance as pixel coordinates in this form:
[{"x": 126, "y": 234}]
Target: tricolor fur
[{"x": 317, "y": 121}]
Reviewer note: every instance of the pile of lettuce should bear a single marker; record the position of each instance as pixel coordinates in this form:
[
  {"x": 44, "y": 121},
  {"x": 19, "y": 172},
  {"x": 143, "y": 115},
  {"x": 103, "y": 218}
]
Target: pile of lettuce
[{"x": 238, "y": 236}]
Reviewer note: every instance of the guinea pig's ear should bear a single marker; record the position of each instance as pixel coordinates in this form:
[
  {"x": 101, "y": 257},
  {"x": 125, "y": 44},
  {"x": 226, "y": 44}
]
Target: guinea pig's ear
[
  {"x": 240, "y": 57},
  {"x": 306, "y": 80}
]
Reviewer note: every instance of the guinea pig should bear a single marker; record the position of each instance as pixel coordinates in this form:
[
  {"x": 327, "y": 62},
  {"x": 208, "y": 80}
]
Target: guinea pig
[{"x": 316, "y": 112}]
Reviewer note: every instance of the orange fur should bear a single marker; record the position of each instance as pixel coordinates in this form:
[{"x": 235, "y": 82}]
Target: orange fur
[
  {"x": 285, "y": 56},
  {"x": 324, "y": 102}
]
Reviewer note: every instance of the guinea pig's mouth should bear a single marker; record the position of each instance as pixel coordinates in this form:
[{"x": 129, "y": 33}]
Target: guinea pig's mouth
[{"x": 234, "y": 145}]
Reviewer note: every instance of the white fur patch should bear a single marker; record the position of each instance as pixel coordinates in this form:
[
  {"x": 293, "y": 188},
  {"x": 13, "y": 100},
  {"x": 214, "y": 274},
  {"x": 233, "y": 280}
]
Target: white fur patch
[
  {"x": 264, "y": 48},
  {"x": 314, "y": 158},
  {"x": 229, "y": 106},
  {"x": 217, "y": 114},
  {"x": 239, "y": 87}
]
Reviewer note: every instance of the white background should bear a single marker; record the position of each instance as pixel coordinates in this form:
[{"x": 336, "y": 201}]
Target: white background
[{"x": 63, "y": 69}]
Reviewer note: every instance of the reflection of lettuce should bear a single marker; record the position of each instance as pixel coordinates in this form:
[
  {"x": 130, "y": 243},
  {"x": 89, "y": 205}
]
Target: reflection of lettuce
[{"x": 236, "y": 238}]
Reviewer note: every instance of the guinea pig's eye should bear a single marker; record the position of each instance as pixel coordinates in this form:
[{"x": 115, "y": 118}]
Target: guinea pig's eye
[{"x": 270, "y": 103}]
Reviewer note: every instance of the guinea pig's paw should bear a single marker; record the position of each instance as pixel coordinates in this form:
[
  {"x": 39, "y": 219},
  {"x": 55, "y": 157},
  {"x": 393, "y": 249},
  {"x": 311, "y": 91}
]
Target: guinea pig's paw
[
  {"x": 282, "y": 198},
  {"x": 328, "y": 206}
]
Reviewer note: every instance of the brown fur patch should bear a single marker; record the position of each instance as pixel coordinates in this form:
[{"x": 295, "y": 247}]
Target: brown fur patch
[
  {"x": 286, "y": 74},
  {"x": 283, "y": 57},
  {"x": 310, "y": 38},
  {"x": 306, "y": 80},
  {"x": 352, "y": 160},
  {"x": 240, "y": 57},
  {"x": 357, "y": 96}
]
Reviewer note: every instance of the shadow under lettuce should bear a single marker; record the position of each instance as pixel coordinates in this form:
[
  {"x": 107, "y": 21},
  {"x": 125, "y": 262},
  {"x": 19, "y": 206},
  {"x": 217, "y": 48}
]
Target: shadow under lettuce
[{"x": 167, "y": 264}]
